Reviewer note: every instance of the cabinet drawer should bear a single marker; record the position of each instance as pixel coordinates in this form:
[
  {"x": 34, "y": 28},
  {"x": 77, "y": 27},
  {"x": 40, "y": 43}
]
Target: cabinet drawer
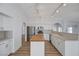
[{"x": 3, "y": 49}]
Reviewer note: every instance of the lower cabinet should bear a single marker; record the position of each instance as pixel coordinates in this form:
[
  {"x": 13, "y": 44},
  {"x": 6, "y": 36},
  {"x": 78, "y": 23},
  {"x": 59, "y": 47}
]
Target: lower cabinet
[
  {"x": 66, "y": 47},
  {"x": 59, "y": 45},
  {"x": 5, "y": 48},
  {"x": 72, "y": 48},
  {"x": 37, "y": 48}
]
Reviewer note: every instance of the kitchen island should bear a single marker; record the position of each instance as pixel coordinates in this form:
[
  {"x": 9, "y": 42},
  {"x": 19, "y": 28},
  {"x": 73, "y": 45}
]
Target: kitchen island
[
  {"x": 67, "y": 44},
  {"x": 37, "y": 45}
]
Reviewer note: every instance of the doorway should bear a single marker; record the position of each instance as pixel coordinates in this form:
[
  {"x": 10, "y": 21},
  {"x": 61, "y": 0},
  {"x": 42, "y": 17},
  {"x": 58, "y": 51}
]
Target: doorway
[
  {"x": 23, "y": 33},
  {"x": 30, "y": 32}
]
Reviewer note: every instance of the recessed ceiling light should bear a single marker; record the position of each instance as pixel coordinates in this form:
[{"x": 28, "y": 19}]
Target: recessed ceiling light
[
  {"x": 64, "y": 4},
  {"x": 57, "y": 11}
]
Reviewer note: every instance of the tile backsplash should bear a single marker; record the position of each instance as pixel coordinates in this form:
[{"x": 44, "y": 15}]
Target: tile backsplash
[
  {"x": 5, "y": 34},
  {"x": 2, "y": 35}
]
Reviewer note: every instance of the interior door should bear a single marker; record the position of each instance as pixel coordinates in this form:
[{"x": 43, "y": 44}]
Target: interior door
[{"x": 28, "y": 35}]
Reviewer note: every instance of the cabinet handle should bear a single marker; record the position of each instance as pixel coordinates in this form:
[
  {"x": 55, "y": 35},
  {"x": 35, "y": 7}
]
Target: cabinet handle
[
  {"x": 6, "y": 45},
  {"x": 2, "y": 43}
]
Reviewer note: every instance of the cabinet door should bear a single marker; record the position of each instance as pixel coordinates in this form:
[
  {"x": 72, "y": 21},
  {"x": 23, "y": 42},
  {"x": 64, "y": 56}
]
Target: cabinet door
[
  {"x": 37, "y": 48},
  {"x": 61, "y": 46},
  {"x": 1, "y": 22},
  {"x": 3, "y": 50},
  {"x": 8, "y": 47},
  {"x": 56, "y": 41}
]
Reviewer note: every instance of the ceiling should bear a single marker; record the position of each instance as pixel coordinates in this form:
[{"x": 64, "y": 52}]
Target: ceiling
[
  {"x": 70, "y": 12},
  {"x": 44, "y": 11},
  {"x": 39, "y": 10}
]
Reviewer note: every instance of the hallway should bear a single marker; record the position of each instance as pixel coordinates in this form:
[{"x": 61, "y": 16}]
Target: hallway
[{"x": 25, "y": 50}]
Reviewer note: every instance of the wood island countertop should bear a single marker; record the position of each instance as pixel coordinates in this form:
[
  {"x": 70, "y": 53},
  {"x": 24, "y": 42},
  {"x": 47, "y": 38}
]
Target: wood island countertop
[{"x": 38, "y": 37}]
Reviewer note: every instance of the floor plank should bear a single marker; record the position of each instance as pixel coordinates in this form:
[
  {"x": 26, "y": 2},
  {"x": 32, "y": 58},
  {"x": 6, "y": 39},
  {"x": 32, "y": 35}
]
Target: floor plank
[
  {"x": 50, "y": 50},
  {"x": 25, "y": 50}
]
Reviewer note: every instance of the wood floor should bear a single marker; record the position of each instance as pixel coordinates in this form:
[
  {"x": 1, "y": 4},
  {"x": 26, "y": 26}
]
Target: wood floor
[
  {"x": 50, "y": 50},
  {"x": 25, "y": 50}
]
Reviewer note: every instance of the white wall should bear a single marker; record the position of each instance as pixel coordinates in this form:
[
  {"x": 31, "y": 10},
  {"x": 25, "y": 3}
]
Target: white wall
[
  {"x": 68, "y": 16},
  {"x": 13, "y": 23},
  {"x": 46, "y": 23},
  {"x": 66, "y": 24},
  {"x": 1, "y": 22}
]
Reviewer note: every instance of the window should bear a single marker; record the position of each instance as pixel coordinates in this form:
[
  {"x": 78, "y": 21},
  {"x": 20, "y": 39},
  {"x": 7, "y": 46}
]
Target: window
[
  {"x": 69, "y": 30},
  {"x": 59, "y": 29},
  {"x": 54, "y": 28}
]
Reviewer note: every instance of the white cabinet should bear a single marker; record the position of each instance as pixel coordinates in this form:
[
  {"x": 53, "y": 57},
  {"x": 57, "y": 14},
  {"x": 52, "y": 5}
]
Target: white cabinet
[
  {"x": 66, "y": 47},
  {"x": 37, "y": 48},
  {"x": 59, "y": 44},
  {"x": 5, "y": 48},
  {"x": 72, "y": 48},
  {"x": 1, "y": 22}
]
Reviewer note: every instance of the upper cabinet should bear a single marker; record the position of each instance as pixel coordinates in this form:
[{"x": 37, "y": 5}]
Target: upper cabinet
[
  {"x": 4, "y": 22},
  {"x": 1, "y": 22}
]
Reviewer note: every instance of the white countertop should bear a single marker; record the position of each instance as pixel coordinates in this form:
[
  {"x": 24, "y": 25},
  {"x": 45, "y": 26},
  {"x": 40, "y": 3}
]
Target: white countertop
[
  {"x": 65, "y": 36},
  {"x": 2, "y": 40}
]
